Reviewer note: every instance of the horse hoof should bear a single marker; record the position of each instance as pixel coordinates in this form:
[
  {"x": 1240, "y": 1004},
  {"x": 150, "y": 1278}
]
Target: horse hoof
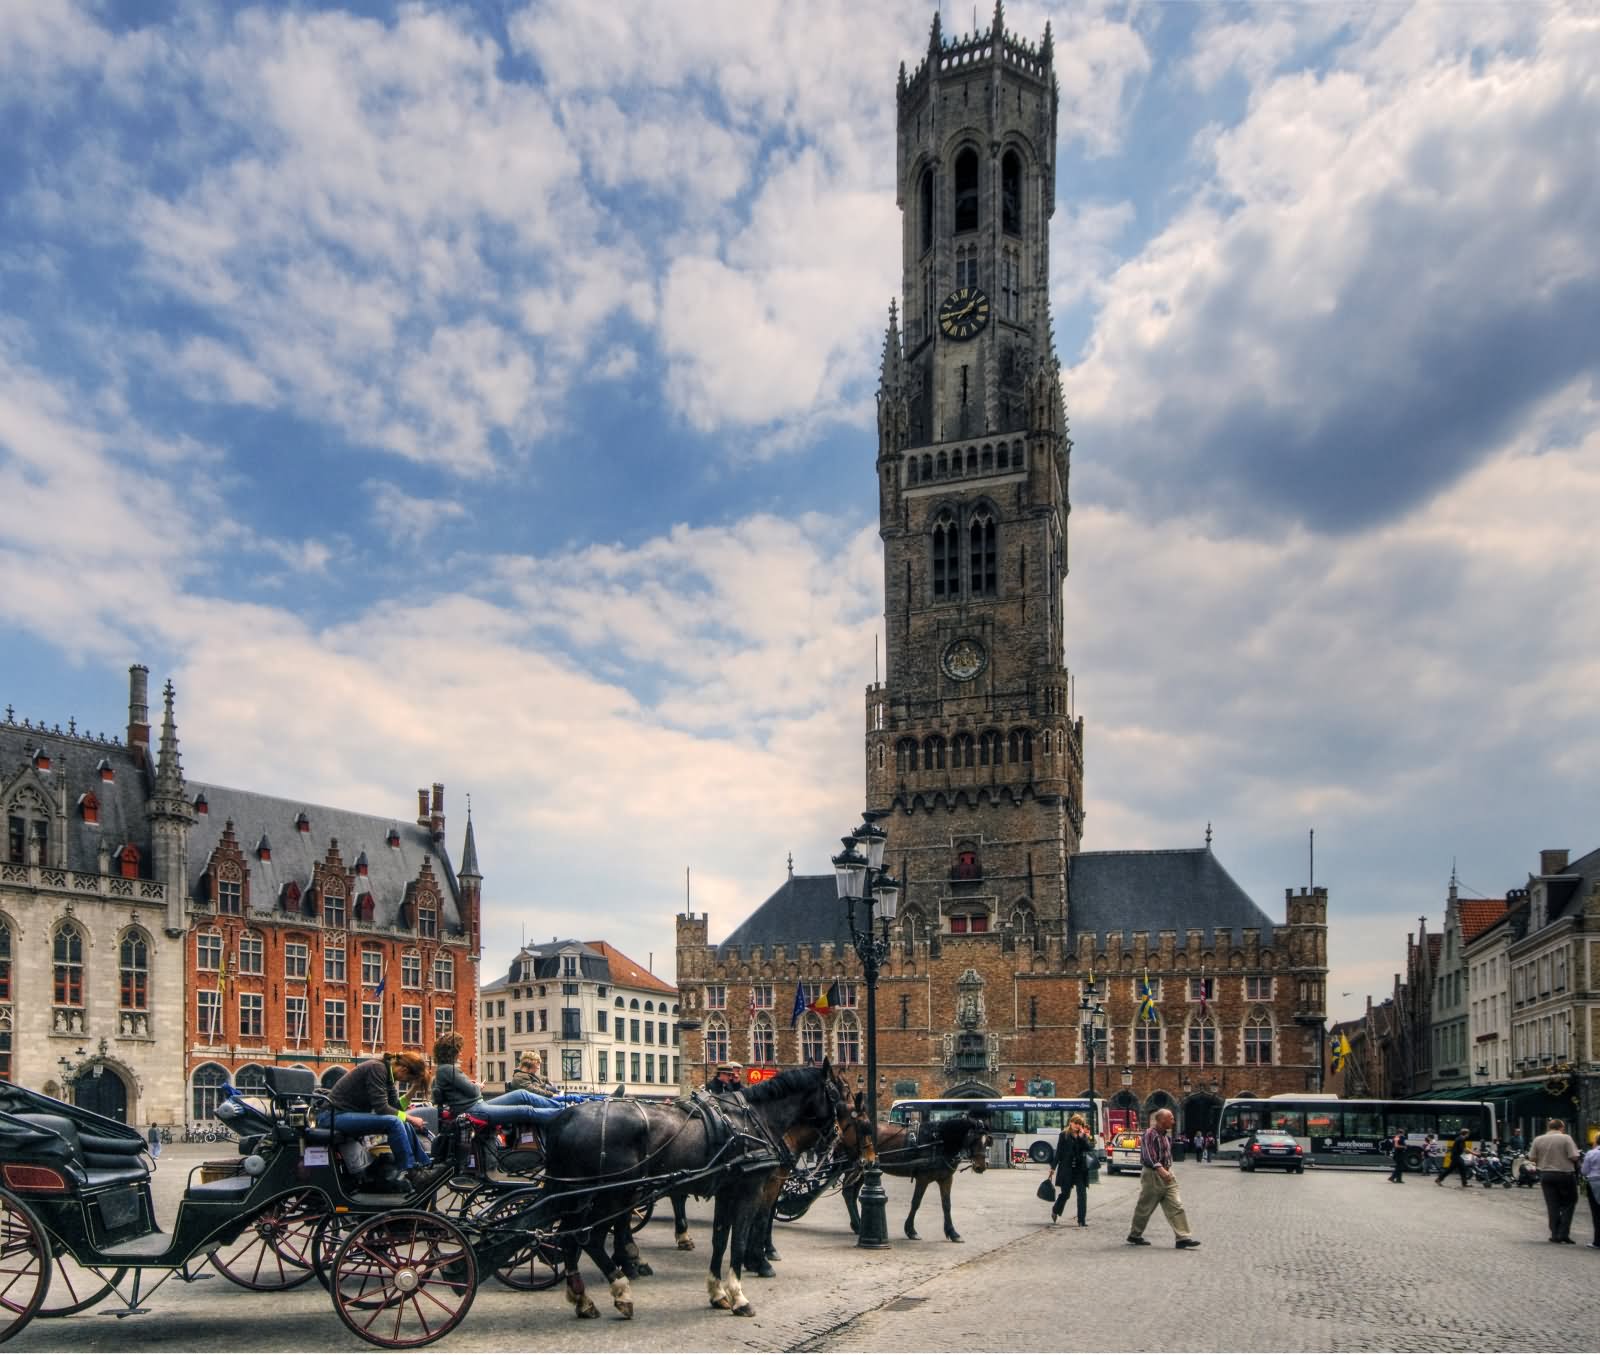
[
  {"x": 626, "y": 1309},
  {"x": 685, "y": 1244},
  {"x": 765, "y": 1272},
  {"x": 587, "y": 1308},
  {"x": 744, "y": 1310},
  {"x": 954, "y": 1237},
  {"x": 772, "y": 1254},
  {"x": 912, "y": 1234},
  {"x": 643, "y": 1268}
]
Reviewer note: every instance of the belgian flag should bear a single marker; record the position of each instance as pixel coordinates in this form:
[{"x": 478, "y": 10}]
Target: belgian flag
[{"x": 825, "y": 1002}]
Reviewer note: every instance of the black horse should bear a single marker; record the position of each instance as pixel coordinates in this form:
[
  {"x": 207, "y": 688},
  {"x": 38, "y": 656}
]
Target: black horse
[
  {"x": 604, "y": 1156},
  {"x": 933, "y": 1153}
]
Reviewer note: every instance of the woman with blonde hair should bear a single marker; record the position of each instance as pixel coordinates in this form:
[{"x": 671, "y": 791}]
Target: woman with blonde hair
[{"x": 1074, "y": 1153}]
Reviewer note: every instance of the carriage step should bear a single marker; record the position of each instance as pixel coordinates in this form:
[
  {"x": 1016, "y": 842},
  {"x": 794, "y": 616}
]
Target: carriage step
[{"x": 139, "y": 1248}]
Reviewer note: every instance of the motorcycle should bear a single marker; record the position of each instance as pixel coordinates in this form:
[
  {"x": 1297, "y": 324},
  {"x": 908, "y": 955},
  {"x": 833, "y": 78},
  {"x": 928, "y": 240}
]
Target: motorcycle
[
  {"x": 1490, "y": 1169},
  {"x": 1523, "y": 1172}
]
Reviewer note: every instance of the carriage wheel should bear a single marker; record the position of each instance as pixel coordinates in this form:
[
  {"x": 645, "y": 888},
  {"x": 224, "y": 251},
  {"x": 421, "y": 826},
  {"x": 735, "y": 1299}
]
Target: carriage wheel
[
  {"x": 641, "y": 1215},
  {"x": 74, "y": 1288},
  {"x": 24, "y": 1265},
  {"x": 274, "y": 1251},
  {"x": 790, "y": 1207},
  {"x": 535, "y": 1265},
  {"x": 404, "y": 1279}
]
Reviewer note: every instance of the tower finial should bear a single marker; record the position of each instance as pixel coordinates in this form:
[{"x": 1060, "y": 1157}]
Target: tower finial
[
  {"x": 997, "y": 32},
  {"x": 169, "y": 764},
  {"x": 1208, "y": 835},
  {"x": 935, "y": 35}
]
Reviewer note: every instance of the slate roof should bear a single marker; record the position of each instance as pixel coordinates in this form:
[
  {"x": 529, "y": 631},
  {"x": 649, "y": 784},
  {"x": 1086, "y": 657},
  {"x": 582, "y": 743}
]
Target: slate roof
[
  {"x": 1477, "y": 916},
  {"x": 76, "y": 761},
  {"x": 1159, "y": 891},
  {"x": 1570, "y": 886},
  {"x": 1127, "y": 892},
  {"x": 389, "y": 869},
  {"x": 546, "y": 960},
  {"x": 626, "y": 973}
]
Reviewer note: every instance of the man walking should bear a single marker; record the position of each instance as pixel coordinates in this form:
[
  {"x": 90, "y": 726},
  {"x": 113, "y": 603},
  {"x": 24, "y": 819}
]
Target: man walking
[
  {"x": 1556, "y": 1156},
  {"x": 1157, "y": 1184},
  {"x": 1397, "y": 1147},
  {"x": 1456, "y": 1159}
]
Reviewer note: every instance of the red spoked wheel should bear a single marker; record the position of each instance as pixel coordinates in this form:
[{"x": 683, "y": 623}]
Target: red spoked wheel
[
  {"x": 526, "y": 1259},
  {"x": 24, "y": 1265},
  {"x": 274, "y": 1251},
  {"x": 404, "y": 1279}
]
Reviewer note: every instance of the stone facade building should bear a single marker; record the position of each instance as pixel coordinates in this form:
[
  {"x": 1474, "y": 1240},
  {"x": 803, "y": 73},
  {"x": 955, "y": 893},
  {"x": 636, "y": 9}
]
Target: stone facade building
[
  {"x": 974, "y": 754},
  {"x": 596, "y": 1018},
  {"x": 189, "y": 933}
]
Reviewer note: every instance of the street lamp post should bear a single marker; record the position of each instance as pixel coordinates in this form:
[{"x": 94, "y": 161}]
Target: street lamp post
[
  {"x": 861, "y": 879},
  {"x": 1093, "y": 1014}
]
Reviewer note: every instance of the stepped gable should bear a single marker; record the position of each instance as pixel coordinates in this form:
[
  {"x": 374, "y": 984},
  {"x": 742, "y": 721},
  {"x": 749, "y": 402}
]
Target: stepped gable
[
  {"x": 626, "y": 973},
  {"x": 390, "y": 870},
  {"x": 75, "y": 761},
  {"x": 803, "y": 911},
  {"x": 1159, "y": 891}
]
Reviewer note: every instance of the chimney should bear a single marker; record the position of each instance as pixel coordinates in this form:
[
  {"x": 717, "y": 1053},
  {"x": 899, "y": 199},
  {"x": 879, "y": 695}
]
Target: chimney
[
  {"x": 1552, "y": 860},
  {"x": 139, "y": 711},
  {"x": 422, "y": 807},
  {"x": 436, "y": 817}
]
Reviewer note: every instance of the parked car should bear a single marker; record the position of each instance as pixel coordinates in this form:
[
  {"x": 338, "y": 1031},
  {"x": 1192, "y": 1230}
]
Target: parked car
[
  {"x": 1124, "y": 1152},
  {"x": 1271, "y": 1148}
]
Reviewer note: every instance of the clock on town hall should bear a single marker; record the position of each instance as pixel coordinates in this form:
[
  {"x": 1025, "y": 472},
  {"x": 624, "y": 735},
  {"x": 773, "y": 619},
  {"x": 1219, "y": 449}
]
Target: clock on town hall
[
  {"x": 964, "y": 313},
  {"x": 964, "y": 659}
]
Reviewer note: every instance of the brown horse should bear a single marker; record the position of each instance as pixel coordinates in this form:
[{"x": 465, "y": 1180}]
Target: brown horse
[{"x": 934, "y": 1152}]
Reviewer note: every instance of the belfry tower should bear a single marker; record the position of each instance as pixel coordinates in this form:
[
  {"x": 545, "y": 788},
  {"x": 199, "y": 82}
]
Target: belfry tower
[{"x": 973, "y": 752}]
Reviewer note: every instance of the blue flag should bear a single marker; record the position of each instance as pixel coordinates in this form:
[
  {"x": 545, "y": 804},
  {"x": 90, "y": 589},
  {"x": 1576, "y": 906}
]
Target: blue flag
[
  {"x": 799, "y": 1004},
  {"x": 382, "y": 983}
]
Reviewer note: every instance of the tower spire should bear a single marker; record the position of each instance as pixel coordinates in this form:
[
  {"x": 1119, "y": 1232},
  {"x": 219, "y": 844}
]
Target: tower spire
[
  {"x": 169, "y": 766},
  {"x": 469, "y": 850}
]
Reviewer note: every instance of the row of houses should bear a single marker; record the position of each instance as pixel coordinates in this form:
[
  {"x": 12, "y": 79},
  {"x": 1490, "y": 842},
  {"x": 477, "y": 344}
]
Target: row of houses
[{"x": 1501, "y": 1002}]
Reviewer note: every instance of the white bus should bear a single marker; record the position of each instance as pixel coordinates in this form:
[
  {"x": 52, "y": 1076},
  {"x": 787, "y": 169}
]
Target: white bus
[
  {"x": 1333, "y": 1132},
  {"x": 1031, "y": 1122}
]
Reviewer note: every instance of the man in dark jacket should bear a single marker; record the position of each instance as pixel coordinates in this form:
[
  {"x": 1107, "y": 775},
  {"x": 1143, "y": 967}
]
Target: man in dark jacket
[
  {"x": 1397, "y": 1148},
  {"x": 727, "y": 1079},
  {"x": 1074, "y": 1156},
  {"x": 530, "y": 1077},
  {"x": 1456, "y": 1160},
  {"x": 366, "y": 1101}
]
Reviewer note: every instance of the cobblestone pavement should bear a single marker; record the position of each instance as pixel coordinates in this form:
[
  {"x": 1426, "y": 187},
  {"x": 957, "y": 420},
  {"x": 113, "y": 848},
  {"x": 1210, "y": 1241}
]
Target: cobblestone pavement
[{"x": 1324, "y": 1261}]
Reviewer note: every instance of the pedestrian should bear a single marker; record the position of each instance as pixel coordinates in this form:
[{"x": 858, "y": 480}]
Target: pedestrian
[
  {"x": 727, "y": 1079},
  {"x": 1074, "y": 1153},
  {"x": 1589, "y": 1170},
  {"x": 366, "y": 1100},
  {"x": 530, "y": 1077},
  {"x": 1158, "y": 1185},
  {"x": 1455, "y": 1159},
  {"x": 1557, "y": 1157},
  {"x": 1432, "y": 1151},
  {"x": 1397, "y": 1147},
  {"x": 155, "y": 1140},
  {"x": 1518, "y": 1143}
]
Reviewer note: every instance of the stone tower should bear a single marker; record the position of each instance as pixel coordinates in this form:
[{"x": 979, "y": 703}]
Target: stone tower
[
  {"x": 973, "y": 752},
  {"x": 171, "y": 817}
]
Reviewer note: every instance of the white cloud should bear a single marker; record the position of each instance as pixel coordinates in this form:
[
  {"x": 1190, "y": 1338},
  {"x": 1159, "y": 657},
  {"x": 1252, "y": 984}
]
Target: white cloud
[{"x": 408, "y": 516}]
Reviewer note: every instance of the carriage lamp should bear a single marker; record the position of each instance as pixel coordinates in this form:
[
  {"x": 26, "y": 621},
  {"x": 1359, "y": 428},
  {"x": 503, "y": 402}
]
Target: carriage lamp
[{"x": 861, "y": 879}]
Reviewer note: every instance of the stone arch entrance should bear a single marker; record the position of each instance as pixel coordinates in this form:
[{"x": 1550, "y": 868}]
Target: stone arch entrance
[
  {"x": 972, "y": 1090},
  {"x": 1159, "y": 1100},
  {"x": 104, "y": 1092},
  {"x": 1199, "y": 1114}
]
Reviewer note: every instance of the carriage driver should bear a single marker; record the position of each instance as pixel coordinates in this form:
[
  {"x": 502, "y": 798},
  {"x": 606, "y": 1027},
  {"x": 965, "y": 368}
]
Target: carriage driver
[
  {"x": 530, "y": 1077},
  {"x": 727, "y": 1079}
]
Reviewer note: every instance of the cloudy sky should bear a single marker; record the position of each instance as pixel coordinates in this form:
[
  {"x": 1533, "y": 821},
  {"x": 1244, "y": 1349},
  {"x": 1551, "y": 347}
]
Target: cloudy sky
[{"x": 483, "y": 393}]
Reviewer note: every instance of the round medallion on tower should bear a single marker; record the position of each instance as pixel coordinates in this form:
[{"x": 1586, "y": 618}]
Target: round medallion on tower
[
  {"x": 964, "y": 659},
  {"x": 964, "y": 313}
]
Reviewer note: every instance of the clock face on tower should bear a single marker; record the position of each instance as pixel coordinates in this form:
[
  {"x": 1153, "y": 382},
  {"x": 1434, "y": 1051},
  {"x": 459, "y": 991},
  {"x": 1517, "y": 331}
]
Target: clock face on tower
[
  {"x": 964, "y": 659},
  {"x": 964, "y": 313}
]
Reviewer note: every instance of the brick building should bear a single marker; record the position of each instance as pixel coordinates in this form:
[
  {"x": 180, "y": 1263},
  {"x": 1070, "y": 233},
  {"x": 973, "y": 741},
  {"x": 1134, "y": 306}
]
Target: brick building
[
  {"x": 974, "y": 753},
  {"x": 158, "y": 935}
]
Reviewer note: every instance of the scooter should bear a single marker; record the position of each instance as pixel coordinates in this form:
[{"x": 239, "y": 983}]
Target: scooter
[{"x": 1523, "y": 1172}]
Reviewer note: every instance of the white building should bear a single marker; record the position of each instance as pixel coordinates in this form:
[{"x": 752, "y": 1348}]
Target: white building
[{"x": 596, "y": 1018}]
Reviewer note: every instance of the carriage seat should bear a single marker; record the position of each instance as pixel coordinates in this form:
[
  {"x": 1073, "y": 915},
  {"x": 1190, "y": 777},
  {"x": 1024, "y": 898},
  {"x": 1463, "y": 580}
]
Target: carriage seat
[{"x": 104, "y": 1161}]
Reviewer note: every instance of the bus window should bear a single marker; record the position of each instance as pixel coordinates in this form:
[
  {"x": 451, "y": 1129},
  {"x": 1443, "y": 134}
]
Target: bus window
[
  {"x": 1470, "y": 1120},
  {"x": 1041, "y": 1120},
  {"x": 1325, "y": 1124},
  {"x": 1289, "y": 1121},
  {"x": 1242, "y": 1120},
  {"x": 1008, "y": 1121},
  {"x": 1364, "y": 1124},
  {"x": 1412, "y": 1121}
]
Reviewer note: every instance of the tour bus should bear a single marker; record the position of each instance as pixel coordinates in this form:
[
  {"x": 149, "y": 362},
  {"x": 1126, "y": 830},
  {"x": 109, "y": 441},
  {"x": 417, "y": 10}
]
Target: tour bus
[
  {"x": 1032, "y": 1122},
  {"x": 1333, "y": 1132}
]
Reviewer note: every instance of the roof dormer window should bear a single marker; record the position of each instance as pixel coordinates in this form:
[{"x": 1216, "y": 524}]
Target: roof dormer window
[
  {"x": 361, "y": 864},
  {"x": 264, "y": 849},
  {"x": 201, "y": 805},
  {"x": 302, "y": 823},
  {"x": 394, "y": 836},
  {"x": 41, "y": 760},
  {"x": 107, "y": 772},
  {"x": 89, "y": 806}
]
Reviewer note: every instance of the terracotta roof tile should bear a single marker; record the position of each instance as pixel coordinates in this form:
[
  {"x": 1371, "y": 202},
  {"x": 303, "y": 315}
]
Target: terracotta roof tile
[
  {"x": 1478, "y": 915},
  {"x": 625, "y": 973}
]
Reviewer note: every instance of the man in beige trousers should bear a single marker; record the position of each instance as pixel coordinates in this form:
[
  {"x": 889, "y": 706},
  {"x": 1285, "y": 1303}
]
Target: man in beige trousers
[{"x": 1157, "y": 1184}]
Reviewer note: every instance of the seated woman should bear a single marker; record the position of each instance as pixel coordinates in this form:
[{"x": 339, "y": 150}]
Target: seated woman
[
  {"x": 366, "y": 1100},
  {"x": 460, "y": 1095}
]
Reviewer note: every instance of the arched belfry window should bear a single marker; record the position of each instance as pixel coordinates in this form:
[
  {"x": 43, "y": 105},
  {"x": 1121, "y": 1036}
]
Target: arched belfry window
[
  {"x": 966, "y": 190},
  {"x": 946, "y": 556},
  {"x": 983, "y": 570},
  {"x": 1011, "y": 194},
  {"x": 925, "y": 213}
]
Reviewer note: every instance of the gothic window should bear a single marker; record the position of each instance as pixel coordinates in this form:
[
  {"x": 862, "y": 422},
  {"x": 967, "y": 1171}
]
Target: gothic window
[
  {"x": 911, "y": 470},
  {"x": 988, "y": 458},
  {"x": 989, "y": 748},
  {"x": 1147, "y": 1042},
  {"x": 333, "y": 963},
  {"x": 1018, "y": 459},
  {"x": 1022, "y": 919},
  {"x": 967, "y": 266},
  {"x": 930, "y": 304},
  {"x": 427, "y": 919},
  {"x": 27, "y": 830},
  {"x": 933, "y": 754},
  {"x": 880, "y": 757},
  {"x": 1203, "y": 1041},
  {"x": 128, "y": 862},
  {"x": 208, "y": 1083},
  {"x": 966, "y": 867},
  {"x": 847, "y": 1039},
  {"x": 208, "y": 950},
  {"x": 1011, "y": 194},
  {"x": 1021, "y": 745},
  {"x": 5, "y": 960},
  {"x": 250, "y": 953},
  {"x": 927, "y": 466},
  {"x": 1258, "y": 1039},
  {"x": 962, "y": 752},
  {"x": 1047, "y": 743},
  {"x": 972, "y": 460},
  {"x": 230, "y": 894},
  {"x": 941, "y": 466},
  {"x": 332, "y": 909},
  {"x": 133, "y": 969},
  {"x": 983, "y": 568},
  {"x": 926, "y": 209},
  {"x": 763, "y": 1041},
  {"x": 811, "y": 1039},
  {"x": 966, "y": 190},
  {"x": 912, "y": 926},
  {"x": 444, "y": 972},
  {"x": 716, "y": 1040},
  {"x": 946, "y": 556},
  {"x": 1002, "y": 457},
  {"x": 905, "y": 756},
  {"x": 1010, "y": 283}
]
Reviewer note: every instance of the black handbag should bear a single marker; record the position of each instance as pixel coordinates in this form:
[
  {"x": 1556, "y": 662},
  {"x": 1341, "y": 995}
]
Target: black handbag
[{"x": 1047, "y": 1190}]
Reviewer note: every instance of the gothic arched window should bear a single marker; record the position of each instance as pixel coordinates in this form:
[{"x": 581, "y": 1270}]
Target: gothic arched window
[
  {"x": 926, "y": 209},
  {"x": 946, "y": 556},
  {"x": 67, "y": 954},
  {"x": 763, "y": 1040},
  {"x": 209, "y": 1079},
  {"x": 133, "y": 969},
  {"x": 1011, "y": 194},
  {"x": 1258, "y": 1038},
  {"x": 1147, "y": 1041},
  {"x": 5, "y": 960},
  {"x": 1021, "y": 745},
  {"x": 933, "y": 754},
  {"x": 716, "y": 1040},
  {"x": 1203, "y": 1041},
  {"x": 847, "y": 1039},
  {"x": 905, "y": 756},
  {"x": 966, "y": 190},
  {"x": 989, "y": 748},
  {"x": 962, "y": 751},
  {"x": 811, "y": 1039},
  {"x": 983, "y": 568}
]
